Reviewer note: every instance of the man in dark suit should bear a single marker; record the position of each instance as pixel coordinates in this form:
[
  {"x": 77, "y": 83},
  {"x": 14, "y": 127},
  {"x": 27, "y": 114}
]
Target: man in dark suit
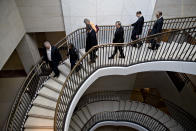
[
  {"x": 137, "y": 28},
  {"x": 91, "y": 40},
  {"x": 52, "y": 57},
  {"x": 157, "y": 28},
  {"x": 118, "y": 38}
]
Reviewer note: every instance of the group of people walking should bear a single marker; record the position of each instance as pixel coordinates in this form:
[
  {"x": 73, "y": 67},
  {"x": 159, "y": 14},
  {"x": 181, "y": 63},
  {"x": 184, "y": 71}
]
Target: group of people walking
[{"x": 53, "y": 57}]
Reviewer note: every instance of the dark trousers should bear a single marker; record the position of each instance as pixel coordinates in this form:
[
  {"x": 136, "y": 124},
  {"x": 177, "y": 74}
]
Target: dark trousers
[
  {"x": 54, "y": 68},
  {"x": 93, "y": 55},
  {"x": 154, "y": 44},
  {"x": 133, "y": 38},
  {"x": 120, "y": 50},
  {"x": 73, "y": 63}
]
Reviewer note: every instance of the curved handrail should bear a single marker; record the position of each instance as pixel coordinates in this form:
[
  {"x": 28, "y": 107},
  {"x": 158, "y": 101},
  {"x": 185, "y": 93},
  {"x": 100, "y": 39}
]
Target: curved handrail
[
  {"x": 176, "y": 36},
  {"x": 78, "y": 39},
  {"x": 176, "y": 112},
  {"x": 126, "y": 116}
]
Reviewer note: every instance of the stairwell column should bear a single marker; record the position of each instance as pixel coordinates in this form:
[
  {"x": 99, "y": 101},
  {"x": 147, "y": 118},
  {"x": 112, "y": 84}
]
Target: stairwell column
[{"x": 28, "y": 52}]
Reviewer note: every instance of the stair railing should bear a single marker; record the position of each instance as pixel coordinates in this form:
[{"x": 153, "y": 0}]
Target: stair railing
[
  {"x": 185, "y": 119},
  {"x": 172, "y": 45},
  {"x": 138, "y": 118},
  {"x": 40, "y": 71}
]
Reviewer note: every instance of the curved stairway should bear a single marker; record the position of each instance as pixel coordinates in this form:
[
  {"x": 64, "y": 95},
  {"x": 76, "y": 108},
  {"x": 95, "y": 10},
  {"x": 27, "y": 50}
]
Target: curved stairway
[
  {"x": 176, "y": 48},
  {"x": 82, "y": 117},
  {"x": 41, "y": 115},
  {"x": 39, "y": 98}
]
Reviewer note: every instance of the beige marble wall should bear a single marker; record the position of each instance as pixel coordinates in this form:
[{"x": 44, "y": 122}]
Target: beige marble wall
[
  {"x": 176, "y": 8},
  {"x": 8, "y": 90},
  {"x": 28, "y": 52},
  {"x": 11, "y": 29},
  {"x": 41, "y": 15},
  {"x": 104, "y": 12}
]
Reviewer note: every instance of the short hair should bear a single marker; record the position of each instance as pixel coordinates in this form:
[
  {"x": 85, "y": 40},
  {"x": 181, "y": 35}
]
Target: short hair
[
  {"x": 138, "y": 12},
  {"x": 86, "y": 20},
  {"x": 118, "y": 23},
  {"x": 160, "y": 13}
]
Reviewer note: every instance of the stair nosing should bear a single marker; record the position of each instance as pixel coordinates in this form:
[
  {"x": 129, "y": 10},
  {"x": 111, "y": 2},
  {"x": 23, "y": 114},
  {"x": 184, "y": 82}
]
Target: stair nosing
[
  {"x": 44, "y": 106},
  {"x": 39, "y": 127},
  {"x": 48, "y": 97},
  {"x": 41, "y": 116},
  {"x": 51, "y": 88}
]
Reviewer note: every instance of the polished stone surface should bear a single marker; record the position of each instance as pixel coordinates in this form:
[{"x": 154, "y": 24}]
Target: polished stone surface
[{"x": 104, "y": 12}]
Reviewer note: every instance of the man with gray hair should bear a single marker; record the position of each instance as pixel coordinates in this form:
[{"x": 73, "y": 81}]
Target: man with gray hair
[
  {"x": 118, "y": 38},
  {"x": 52, "y": 57},
  {"x": 88, "y": 22}
]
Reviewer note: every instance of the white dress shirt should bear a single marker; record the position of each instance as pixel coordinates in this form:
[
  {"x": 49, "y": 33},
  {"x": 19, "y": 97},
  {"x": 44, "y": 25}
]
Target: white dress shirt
[{"x": 49, "y": 54}]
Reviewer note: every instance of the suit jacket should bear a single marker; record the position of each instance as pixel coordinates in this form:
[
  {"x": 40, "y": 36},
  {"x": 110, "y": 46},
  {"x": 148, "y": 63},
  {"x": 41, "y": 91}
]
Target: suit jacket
[
  {"x": 137, "y": 26},
  {"x": 119, "y": 35},
  {"x": 74, "y": 55},
  {"x": 91, "y": 40},
  {"x": 157, "y": 27},
  {"x": 55, "y": 56}
]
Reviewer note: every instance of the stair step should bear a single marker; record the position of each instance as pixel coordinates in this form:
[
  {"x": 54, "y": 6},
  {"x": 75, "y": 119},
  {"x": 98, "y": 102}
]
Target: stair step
[
  {"x": 82, "y": 116},
  {"x": 52, "y": 83},
  {"x": 110, "y": 105},
  {"x": 62, "y": 78},
  {"x": 67, "y": 63},
  {"x": 140, "y": 107},
  {"x": 86, "y": 112},
  {"x": 127, "y": 105},
  {"x": 146, "y": 108},
  {"x": 44, "y": 101},
  {"x": 52, "y": 88},
  {"x": 77, "y": 120},
  {"x": 159, "y": 115},
  {"x": 171, "y": 124},
  {"x": 74, "y": 126},
  {"x": 32, "y": 121},
  {"x": 134, "y": 105},
  {"x": 122, "y": 105},
  {"x": 44, "y": 106},
  {"x": 48, "y": 92},
  {"x": 48, "y": 97},
  {"x": 64, "y": 69},
  {"x": 57, "y": 80},
  {"x": 41, "y": 111},
  {"x": 164, "y": 119},
  {"x": 152, "y": 111},
  {"x": 39, "y": 128},
  {"x": 41, "y": 116}
]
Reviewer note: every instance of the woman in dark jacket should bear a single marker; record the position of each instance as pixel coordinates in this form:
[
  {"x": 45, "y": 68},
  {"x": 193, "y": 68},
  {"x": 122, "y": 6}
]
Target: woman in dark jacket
[{"x": 91, "y": 40}]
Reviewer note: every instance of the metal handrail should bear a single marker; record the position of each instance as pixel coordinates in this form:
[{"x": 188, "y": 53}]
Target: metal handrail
[
  {"x": 63, "y": 102},
  {"x": 176, "y": 112},
  {"x": 150, "y": 123},
  {"x": 79, "y": 37}
]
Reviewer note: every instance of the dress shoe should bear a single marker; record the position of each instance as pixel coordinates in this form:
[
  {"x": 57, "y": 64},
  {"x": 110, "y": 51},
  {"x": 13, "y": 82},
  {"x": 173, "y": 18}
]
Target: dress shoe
[
  {"x": 111, "y": 57},
  {"x": 122, "y": 56}
]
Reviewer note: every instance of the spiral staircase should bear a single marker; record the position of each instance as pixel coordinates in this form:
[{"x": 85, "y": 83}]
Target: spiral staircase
[{"x": 43, "y": 102}]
